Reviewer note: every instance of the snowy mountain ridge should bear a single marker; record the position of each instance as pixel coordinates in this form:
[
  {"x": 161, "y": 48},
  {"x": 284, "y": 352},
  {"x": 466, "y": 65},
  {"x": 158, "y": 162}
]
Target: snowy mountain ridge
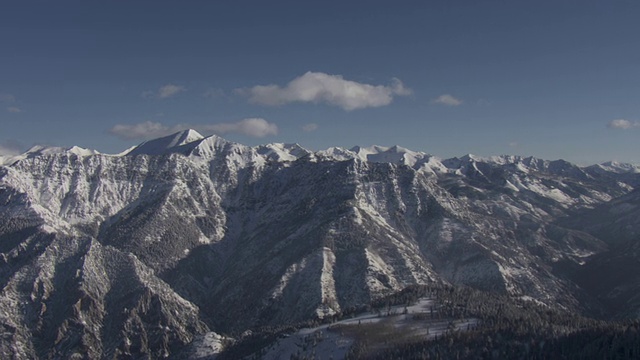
[
  {"x": 187, "y": 141},
  {"x": 170, "y": 237}
]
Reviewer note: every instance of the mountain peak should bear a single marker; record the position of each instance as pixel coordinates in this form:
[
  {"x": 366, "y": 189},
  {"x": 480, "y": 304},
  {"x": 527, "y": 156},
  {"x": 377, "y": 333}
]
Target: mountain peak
[
  {"x": 619, "y": 167},
  {"x": 167, "y": 144},
  {"x": 190, "y": 135},
  {"x": 282, "y": 152},
  {"x": 184, "y": 137}
]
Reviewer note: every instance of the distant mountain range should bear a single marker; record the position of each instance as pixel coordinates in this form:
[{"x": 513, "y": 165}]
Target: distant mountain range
[{"x": 144, "y": 251}]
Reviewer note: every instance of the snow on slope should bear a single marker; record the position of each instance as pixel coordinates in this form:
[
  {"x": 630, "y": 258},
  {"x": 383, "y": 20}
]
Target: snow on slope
[
  {"x": 332, "y": 341},
  {"x": 166, "y": 144},
  {"x": 620, "y": 168},
  {"x": 340, "y": 227},
  {"x": 282, "y": 152},
  {"x": 394, "y": 154},
  {"x": 38, "y": 151}
]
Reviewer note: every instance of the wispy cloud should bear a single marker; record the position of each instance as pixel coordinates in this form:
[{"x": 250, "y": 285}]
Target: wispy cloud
[
  {"x": 623, "y": 124},
  {"x": 7, "y": 98},
  {"x": 317, "y": 87},
  {"x": 6, "y": 151},
  {"x": 214, "y": 93},
  {"x": 253, "y": 127},
  {"x": 164, "y": 92},
  {"x": 448, "y": 100},
  {"x": 310, "y": 127},
  {"x": 142, "y": 131},
  {"x": 9, "y": 148},
  {"x": 483, "y": 102}
]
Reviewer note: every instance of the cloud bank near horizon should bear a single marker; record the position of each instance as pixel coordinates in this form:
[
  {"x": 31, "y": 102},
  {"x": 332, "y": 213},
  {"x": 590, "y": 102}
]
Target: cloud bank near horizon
[{"x": 252, "y": 127}]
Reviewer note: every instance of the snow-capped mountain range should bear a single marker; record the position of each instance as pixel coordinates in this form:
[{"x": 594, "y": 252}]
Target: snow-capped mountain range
[{"x": 146, "y": 250}]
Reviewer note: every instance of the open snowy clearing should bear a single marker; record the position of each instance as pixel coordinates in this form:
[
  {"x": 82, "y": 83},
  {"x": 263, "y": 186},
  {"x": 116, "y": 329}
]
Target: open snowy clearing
[{"x": 381, "y": 328}]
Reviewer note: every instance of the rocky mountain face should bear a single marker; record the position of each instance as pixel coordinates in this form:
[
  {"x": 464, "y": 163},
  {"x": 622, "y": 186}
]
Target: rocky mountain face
[{"x": 146, "y": 251}]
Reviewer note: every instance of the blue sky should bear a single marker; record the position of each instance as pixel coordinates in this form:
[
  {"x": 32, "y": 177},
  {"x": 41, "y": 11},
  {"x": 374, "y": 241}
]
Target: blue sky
[{"x": 552, "y": 79}]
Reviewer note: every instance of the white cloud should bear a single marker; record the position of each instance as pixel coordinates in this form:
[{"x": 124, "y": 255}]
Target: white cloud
[
  {"x": 253, "y": 127},
  {"x": 310, "y": 127},
  {"x": 334, "y": 90},
  {"x": 145, "y": 130},
  {"x": 7, "y": 98},
  {"x": 448, "y": 100},
  {"x": 399, "y": 89},
  {"x": 9, "y": 148},
  {"x": 13, "y": 109},
  {"x": 622, "y": 124},
  {"x": 7, "y": 151},
  {"x": 164, "y": 92},
  {"x": 170, "y": 90},
  {"x": 513, "y": 144}
]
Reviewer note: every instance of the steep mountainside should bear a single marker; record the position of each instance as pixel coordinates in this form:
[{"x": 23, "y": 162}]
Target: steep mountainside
[
  {"x": 143, "y": 251},
  {"x": 612, "y": 276}
]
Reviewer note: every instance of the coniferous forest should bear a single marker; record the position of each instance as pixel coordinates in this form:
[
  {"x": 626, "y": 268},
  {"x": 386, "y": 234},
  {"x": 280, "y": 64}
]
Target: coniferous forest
[{"x": 507, "y": 328}]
